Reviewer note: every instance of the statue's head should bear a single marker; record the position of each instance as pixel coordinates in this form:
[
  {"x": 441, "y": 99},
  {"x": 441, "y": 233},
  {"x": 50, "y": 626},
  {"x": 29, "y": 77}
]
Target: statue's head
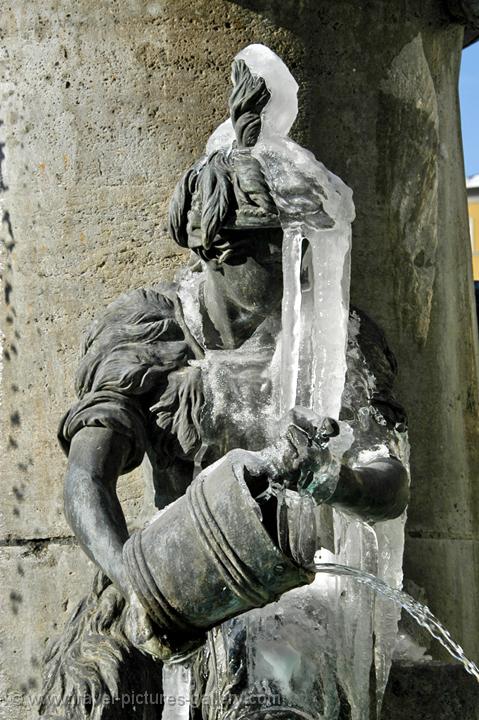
[{"x": 222, "y": 208}]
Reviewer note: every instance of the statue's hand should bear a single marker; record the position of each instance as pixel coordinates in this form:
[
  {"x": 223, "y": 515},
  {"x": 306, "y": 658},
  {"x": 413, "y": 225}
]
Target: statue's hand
[
  {"x": 302, "y": 447},
  {"x": 146, "y": 637},
  {"x": 139, "y": 629}
]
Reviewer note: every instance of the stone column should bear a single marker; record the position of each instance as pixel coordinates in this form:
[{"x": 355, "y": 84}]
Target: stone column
[
  {"x": 103, "y": 105},
  {"x": 382, "y": 104}
]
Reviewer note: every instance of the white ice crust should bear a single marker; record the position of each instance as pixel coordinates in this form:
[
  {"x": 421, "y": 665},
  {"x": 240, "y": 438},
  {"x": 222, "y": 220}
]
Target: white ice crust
[{"x": 282, "y": 108}]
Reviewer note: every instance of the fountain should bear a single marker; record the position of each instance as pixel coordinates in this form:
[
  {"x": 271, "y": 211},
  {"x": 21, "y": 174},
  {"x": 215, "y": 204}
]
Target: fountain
[{"x": 263, "y": 405}]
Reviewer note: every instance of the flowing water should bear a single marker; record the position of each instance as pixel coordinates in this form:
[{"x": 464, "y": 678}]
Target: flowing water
[{"x": 419, "y": 612}]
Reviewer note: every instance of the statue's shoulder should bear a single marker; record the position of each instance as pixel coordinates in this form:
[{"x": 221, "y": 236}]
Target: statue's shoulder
[
  {"x": 127, "y": 356},
  {"x": 134, "y": 335},
  {"x": 373, "y": 343},
  {"x": 133, "y": 307},
  {"x": 371, "y": 364}
]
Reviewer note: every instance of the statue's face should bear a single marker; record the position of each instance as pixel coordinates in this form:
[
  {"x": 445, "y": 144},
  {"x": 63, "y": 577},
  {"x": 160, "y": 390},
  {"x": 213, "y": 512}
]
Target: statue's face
[
  {"x": 236, "y": 247},
  {"x": 245, "y": 268}
]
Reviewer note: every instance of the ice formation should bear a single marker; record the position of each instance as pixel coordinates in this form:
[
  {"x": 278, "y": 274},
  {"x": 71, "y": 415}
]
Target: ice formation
[
  {"x": 176, "y": 692},
  {"x": 316, "y": 208},
  {"x": 314, "y": 639},
  {"x": 280, "y": 113}
]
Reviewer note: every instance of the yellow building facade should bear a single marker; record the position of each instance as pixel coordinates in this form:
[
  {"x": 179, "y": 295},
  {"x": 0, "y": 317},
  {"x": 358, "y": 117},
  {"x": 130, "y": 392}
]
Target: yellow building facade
[{"x": 472, "y": 185}]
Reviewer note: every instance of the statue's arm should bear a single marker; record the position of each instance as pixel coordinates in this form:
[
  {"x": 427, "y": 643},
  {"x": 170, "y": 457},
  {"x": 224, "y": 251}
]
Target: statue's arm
[
  {"x": 378, "y": 490},
  {"x": 97, "y": 457},
  {"x": 127, "y": 352}
]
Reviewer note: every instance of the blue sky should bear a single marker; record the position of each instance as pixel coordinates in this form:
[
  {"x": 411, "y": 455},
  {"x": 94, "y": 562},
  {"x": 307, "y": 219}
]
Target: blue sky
[{"x": 469, "y": 93}]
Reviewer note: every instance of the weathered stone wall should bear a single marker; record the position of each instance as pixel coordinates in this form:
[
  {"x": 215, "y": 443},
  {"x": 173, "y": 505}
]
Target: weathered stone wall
[{"x": 103, "y": 105}]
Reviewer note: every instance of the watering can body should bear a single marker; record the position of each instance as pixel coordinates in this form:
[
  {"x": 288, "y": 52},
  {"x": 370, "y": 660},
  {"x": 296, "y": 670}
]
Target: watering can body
[{"x": 207, "y": 557}]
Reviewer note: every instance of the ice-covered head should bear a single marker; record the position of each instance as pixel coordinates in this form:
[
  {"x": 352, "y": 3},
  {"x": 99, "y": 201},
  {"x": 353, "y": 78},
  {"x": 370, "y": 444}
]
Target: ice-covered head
[
  {"x": 278, "y": 114},
  {"x": 226, "y": 191}
]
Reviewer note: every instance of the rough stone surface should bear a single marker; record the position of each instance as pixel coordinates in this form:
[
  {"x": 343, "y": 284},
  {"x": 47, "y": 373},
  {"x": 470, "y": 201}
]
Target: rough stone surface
[
  {"x": 102, "y": 107},
  {"x": 40, "y": 584},
  {"x": 421, "y": 691},
  {"x": 443, "y": 566}
]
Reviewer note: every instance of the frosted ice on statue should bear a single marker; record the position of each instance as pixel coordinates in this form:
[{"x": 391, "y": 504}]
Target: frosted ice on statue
[{"x": 192, "y": 379}]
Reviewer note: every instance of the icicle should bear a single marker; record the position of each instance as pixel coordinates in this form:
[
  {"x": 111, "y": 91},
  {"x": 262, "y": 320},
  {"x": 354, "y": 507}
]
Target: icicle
[
  {"x": 356, "y": 546},
  {"x": 290, "y": 322},
  {"x": 390, "y": 538},
  {"x": 176, "y": 691},
  {"x": 330, "y": 271}
]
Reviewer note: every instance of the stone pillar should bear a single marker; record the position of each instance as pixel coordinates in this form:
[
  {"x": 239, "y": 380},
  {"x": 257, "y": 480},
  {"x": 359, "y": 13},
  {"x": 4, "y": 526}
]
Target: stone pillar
[
  {"x": 103, "y": 105},
  {"x": 383, "y": 113}
]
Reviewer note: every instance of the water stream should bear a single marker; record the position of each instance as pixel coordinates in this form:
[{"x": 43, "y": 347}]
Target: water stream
[{"x": 419, "y": 612}]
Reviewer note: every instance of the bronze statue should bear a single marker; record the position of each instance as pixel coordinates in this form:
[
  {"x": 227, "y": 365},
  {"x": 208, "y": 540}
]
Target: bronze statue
[{"x": 238, "y": 525}]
